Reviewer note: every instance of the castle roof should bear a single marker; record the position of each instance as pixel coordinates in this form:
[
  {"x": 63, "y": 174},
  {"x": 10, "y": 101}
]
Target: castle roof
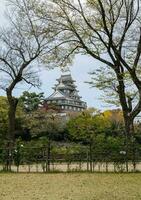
[
  {"x": 65, "y": 92},
  {"x": 56, "y": 94},
  {"x": 66, "y": 77}
]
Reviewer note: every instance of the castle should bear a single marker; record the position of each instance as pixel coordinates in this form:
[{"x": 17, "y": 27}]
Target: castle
[{"x": 65, "y": 97}]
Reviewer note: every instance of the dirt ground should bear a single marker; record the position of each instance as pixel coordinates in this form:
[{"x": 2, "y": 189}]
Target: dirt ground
[
  {"x": 70, "y": 186},
  {"x": 63, "y": 167}
]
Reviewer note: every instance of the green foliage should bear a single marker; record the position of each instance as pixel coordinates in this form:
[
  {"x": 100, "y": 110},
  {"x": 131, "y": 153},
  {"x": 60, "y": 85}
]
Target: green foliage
[
  {"x": 86, "y": 126},
  {"x": 105, "y": 80},
  {"x": 31, "y": 101},
  {"x": 116, "y": 122},
  {"x": 41, "y": 123},
  {"x": 108, "y": 148},
  {"x": 3, "y": 117}
]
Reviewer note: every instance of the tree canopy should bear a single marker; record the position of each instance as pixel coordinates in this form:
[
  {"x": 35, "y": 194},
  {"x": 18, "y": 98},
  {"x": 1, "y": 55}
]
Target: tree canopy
[{"x": 108, "y": 31}]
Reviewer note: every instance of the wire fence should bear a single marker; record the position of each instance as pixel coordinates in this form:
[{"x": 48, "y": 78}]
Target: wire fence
[{"x": 23, "y": 159}]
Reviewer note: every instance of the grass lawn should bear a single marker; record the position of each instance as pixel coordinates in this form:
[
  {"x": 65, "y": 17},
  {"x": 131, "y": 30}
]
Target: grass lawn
[{"x": 72, "y": 186}]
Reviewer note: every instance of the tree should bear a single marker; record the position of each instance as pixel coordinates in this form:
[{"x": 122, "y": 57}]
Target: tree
[
  {"x": 109, "y": 31},
  {"x": 3, "y": 118},
  {"x": 20, "y": 114},
  {"x": 106, "y": 81},
  {"x": 85, "y": 128},
  {"x": 44, "y": 124},
  {"x": 107, "y": 149},
  {"x": 31, "y": 101},
  {"x": 47, "y": 125},
  {"x": 23, "y": 44},
  {"x": 116, "y": 123}
]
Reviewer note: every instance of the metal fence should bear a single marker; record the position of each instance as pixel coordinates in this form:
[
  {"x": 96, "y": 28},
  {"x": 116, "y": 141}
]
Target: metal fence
[{"x": 23, "y": 159}]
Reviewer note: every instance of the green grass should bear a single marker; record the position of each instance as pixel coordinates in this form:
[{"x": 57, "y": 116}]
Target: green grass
[{"x": 72, "y": 186}]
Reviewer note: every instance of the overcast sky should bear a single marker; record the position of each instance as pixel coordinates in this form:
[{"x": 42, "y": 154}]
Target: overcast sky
[{"x": 79, "y": 70}]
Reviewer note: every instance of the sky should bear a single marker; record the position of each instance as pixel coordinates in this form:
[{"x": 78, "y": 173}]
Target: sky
[{"x": 80, "y": 68}]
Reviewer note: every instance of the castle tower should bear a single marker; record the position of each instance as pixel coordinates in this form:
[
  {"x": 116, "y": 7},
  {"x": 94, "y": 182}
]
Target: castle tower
[{"x": 65, "y": 96}]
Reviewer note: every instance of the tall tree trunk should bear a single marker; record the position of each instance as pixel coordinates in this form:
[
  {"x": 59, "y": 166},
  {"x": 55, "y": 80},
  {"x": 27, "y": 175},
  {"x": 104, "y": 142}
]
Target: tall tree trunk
[
  {"x": 129, "y": 127},
  {"x": 11, "y": 128},
  {"x": 11, "y": 117},
  {"x": 129, "y": 134}
]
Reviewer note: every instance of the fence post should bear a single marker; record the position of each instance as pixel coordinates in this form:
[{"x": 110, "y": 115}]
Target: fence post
[
  {"x": 9, "y": 147},
  {"x": 91, "y": 167},
  {"x": 87, "y": 161},
  {"x": 48, "y": 157},
  {"x": 80, "y": 162}
]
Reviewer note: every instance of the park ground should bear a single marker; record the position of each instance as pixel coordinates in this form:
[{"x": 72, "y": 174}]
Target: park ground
[{"x": 70, "y": 186}]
